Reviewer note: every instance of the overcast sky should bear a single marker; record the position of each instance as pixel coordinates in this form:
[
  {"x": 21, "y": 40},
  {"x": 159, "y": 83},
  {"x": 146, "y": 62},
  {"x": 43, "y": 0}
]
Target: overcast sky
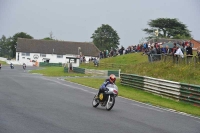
[{"x": 76, "y": 20}]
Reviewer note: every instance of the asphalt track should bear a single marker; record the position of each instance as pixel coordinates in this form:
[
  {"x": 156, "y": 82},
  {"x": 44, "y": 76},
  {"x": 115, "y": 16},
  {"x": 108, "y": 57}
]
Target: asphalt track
[{"x": 32, "y": 103}]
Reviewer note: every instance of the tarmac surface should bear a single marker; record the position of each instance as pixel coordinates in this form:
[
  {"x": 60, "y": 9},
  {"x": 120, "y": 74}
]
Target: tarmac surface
[{"x": 32, "y": 103}]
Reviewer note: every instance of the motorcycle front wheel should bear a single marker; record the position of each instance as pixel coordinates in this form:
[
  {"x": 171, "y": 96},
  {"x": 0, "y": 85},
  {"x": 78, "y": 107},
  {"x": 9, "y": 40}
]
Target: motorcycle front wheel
[
  {"x": 110, "y": 103},
  {"x": 94, "y": 102}
]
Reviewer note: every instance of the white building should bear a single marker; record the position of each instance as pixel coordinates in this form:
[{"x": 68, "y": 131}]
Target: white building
[{"x": 32, "y": 50}]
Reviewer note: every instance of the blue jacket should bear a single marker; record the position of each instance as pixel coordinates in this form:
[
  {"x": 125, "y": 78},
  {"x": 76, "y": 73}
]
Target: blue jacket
[{"x": 103, "y": 86}]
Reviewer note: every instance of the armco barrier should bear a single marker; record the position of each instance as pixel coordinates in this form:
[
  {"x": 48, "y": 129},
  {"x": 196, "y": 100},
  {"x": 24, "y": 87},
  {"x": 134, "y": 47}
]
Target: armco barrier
[
  {"x": 162, "y": 87},
  {"x": 180, "y": 91},
  {"x": 45, "y": 64},
  {"x": 190, "y": 93},
  {"x": 78, "y": 70},
  {"x": 96, "y": 72},
  {"x": 113, "y": 72},
  {"x": 132, "y": 80}
]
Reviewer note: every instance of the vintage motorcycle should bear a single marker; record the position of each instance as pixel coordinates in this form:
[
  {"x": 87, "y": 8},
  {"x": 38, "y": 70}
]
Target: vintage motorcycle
[
  {"x": 24, "y": 67},
  {"x": 107, "y": 98},
  {"x": 12, "y": 66}
]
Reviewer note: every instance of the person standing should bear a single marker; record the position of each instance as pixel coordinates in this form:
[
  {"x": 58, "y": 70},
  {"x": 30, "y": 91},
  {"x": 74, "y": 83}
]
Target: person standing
[
  {"x": 189, "y": 53},
  {"x": 189, "y": 50}
]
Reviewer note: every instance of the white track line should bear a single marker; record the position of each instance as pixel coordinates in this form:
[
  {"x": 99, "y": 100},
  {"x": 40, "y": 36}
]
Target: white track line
[
  {"x": 146, "y": 107},
  {"x": 169, "y": 110},
  {"x": 69, "y": 86}
]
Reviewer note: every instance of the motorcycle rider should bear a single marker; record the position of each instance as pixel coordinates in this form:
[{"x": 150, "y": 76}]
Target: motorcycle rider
[
  {"x": 24, "y": 66},
  {"x": 11, "y": 65},
  {"x": 110, "y": 80}
]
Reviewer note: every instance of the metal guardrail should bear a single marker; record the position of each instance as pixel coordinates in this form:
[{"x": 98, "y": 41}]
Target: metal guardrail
[
  {"x": 190, "y": 93},
  {"x": 116, "y": 73},
  {"x": 162, "y": 87},
  {"x": 78, "y": 70},
  {"x": 180, "y": 91},
  {"x": 96, "y": 72},
  {"x": 45, "y": 64}
]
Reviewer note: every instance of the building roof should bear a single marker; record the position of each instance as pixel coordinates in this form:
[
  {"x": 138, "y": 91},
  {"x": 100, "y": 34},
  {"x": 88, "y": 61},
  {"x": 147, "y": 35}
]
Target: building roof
[{"x": 56, "y": 47}]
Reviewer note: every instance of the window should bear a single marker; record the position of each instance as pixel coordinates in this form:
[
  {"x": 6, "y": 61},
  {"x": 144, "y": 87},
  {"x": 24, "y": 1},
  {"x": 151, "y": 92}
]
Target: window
[
  {"x": 25, "y": 54},
  {"x": 59, "y": 56},
  {"x": 42, "y": 55}
]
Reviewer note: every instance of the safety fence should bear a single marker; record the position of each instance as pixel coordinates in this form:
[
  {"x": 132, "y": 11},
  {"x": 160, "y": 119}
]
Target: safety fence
[
  {"x": 78, "y": 70},
  {"x": 46, "y": 64},
  {"x": 190, "y": 59},
  {"x": 179, "y": 91},
  {"x": 105, "y": 65},
  {"x": 96, "y": 72}
]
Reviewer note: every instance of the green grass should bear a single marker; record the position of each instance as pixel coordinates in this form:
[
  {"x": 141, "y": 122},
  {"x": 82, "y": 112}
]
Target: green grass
[
  {"x": 118, "y": 61},
  {"x": 3, "y": 62},
  {"x": 56, "y": 72},
  {"x": 142, "y": 96},
  {"x": 136, "y": 63}
]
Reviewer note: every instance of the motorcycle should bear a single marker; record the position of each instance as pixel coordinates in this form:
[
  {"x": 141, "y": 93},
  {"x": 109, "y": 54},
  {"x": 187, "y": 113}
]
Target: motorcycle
[
  {"x": 24, "y": 67},
  {"x": 12, "y": 66},
  {"x": 107, "y": 98}
]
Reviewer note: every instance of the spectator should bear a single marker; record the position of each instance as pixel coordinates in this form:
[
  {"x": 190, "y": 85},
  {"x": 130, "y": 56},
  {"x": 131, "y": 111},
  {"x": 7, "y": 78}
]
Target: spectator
[
  {"x": 189, "y": 50},
  {"x": 168, "y": 50},
  {"x": 179, "y": 52},
  {"x": 163, "y": 50}
]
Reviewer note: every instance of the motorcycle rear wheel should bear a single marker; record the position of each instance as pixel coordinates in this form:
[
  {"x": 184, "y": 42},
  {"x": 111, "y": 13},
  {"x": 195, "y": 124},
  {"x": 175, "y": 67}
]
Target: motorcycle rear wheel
[
  {"x": 94, "y": 102},
  {"x": 110, "y": 103}
]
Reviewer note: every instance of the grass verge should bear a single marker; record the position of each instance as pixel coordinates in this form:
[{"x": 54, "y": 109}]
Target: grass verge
[
  {"x": 3, "y": 62},
  {"x": 56, "y": 72},
  {"x": 135, "y": 63},
  {"x": 142, "y": 96},
  {"x": 114, "y": 63}
]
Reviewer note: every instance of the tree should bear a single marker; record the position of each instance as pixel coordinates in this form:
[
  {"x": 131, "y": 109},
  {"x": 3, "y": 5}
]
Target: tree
[
  {"x": 47, "y": 38},
  {"x": 167, "y": 28},
  {"x": 5, "y": 44},
  {"x": 14, "y": 41},
  {"x": 2, "y": 45},
  {"x": 105, "y": 37},
  {"x": 50, "y": 36}
]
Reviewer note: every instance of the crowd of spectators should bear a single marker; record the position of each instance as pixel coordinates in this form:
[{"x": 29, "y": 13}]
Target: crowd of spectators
[
  {"x": 178, "y": 49},
  {"x": 147, "y": 48}
]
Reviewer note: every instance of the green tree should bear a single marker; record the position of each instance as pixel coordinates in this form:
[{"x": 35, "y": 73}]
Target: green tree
[
  {"x": 14, "y": 41},
  {"x": 2, "y": 45},
  {"x": 47, "y": 38},
  {"x": 105, "y": 37},
  {"x": 168, "y": 28},
  {"x": 5, "y": 44},
  {"x": 50, "y": 37}
]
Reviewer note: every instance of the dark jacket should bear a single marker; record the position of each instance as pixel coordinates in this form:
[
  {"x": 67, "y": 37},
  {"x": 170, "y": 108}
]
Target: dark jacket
[{"x": 189, "y": 51}]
